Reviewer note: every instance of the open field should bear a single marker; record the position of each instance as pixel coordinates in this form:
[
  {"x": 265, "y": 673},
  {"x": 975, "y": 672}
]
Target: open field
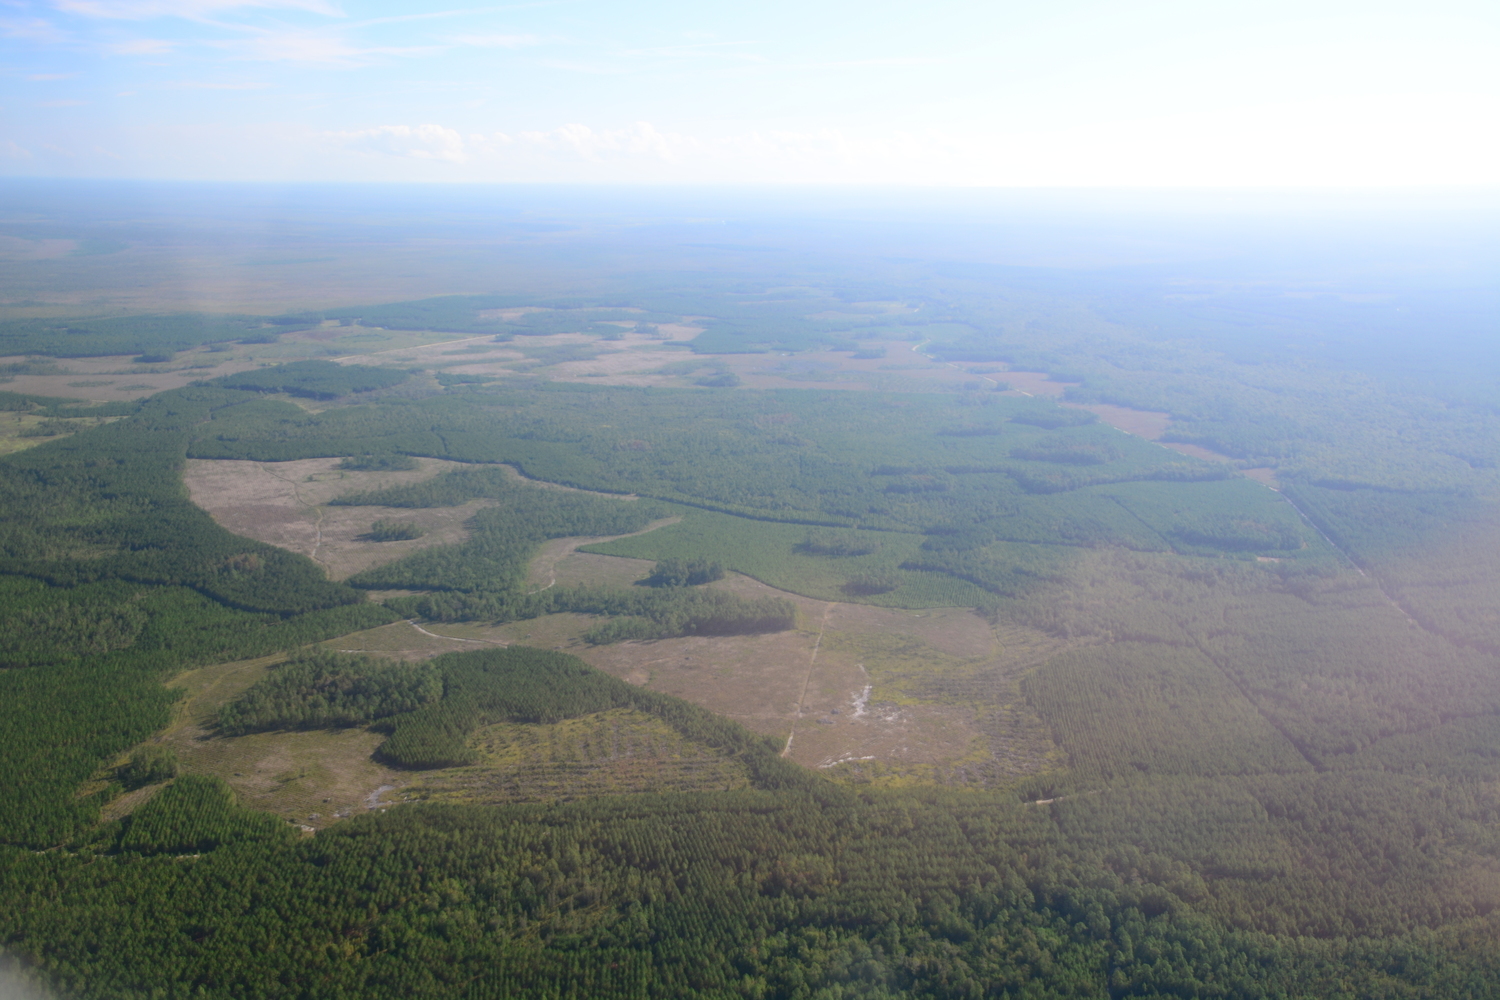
[
  {"x": 15, "y": 425},
  {"x": 311, "y": 777},
  {"x": 285, "y": 504}
]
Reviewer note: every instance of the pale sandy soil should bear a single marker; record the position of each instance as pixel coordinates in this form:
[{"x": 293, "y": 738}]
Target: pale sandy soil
[{"x": 285, "y": 504}]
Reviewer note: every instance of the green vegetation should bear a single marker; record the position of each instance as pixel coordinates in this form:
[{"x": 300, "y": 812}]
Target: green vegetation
[
  {"x": 842, "y": 546},
  {"x": 773, "y": 553},
  {"x": 149, "y": 765},
  {"x": 394, "y": 531},
  {"x": 765, "y": 893},
  {"x": 1280, "y": 767},
  {"x": 646, "y": 614},
  {"x": 196, "y": 814},
  {"x": 113, "y": 582},
  {"x": 1145, "y": 708},
  {"x": 84, "y": 338},
  {"x": 503, "y": 538},
  {"x": 50, "y": 428},
  {"x": 315, "y": 379},
  {"x": 378, "y": 463},
  {"x": 532, "y": 685},
  {"x": 870, "y": 584},
  {"x": 684, "y": 573},
  {"x": 318, "y": 690}
]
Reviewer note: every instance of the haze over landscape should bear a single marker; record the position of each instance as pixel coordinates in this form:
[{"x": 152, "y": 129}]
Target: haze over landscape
[{"x": 822, "y": 501}]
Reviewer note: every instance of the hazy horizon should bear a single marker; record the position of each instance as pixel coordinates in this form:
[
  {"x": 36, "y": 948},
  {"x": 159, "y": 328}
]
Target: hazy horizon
[{"x": 1080, "y": 94}]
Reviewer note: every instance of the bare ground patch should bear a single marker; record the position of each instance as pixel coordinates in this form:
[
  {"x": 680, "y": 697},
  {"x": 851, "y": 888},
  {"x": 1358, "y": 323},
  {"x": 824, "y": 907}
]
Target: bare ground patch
[
  {"x": 312, "y": 777},
  {"x": 285, "y": 504},
  {"x": 929, "y": 696},
  {"x": 116, "y": 378},
  {"x": 1149, "y": 424}
]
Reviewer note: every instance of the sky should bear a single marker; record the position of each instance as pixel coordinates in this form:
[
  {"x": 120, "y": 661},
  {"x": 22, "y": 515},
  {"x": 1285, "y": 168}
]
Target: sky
[{"x": 1067, "y": 93}]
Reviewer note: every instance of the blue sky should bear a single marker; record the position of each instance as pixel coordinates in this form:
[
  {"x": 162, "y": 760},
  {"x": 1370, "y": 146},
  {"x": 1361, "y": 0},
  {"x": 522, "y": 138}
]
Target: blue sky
[{"x": 1064, "y": 93}]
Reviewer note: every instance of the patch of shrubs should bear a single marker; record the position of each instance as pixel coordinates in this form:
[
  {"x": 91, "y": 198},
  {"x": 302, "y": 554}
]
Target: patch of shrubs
[
  {"x": 393, "y": 531},
  {"x": 827, "y": 543},
  {"x": 869, "y": 584},
  {"x": 149, "y": 765},
  {"x": 378, "y": 463},
  {"x": 684, "y": 573}
]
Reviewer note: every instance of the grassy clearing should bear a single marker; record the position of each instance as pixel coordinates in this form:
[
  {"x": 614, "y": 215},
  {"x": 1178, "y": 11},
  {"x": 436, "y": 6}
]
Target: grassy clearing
[
  {"x": 768, "y": 551},
  {"x": 312, "y": 777},
  {"x": 961, "y": 719}
]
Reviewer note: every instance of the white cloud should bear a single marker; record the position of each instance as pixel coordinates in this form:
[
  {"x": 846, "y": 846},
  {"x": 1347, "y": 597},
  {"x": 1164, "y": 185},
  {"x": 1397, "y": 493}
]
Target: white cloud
[
  {"x": 40, "y": 77},
  {"x": 641, "y": 139},
  {"x": 15, "y": 152},
  {"x": 139, "y": 10},
  {"x": 417, "y": 142}
]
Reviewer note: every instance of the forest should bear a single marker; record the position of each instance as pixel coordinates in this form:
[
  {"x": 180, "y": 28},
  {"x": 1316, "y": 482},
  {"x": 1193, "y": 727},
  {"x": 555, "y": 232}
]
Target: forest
[{"x": 1276, "y": 711}]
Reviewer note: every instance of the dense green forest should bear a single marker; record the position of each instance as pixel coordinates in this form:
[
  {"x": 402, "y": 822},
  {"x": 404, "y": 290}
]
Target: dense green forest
[
  {"x": 1278, "y": 710},
  {"x": 114, "y": 581}
]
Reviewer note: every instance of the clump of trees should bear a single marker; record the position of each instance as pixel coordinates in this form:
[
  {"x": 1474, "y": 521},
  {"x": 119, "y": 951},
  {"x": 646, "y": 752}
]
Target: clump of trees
[
  {"x": 195, "y": 814},
  {"x": 378, "y": 463},
  {"x": 149, "y": 765},
  {"x": 870, "y": 584},
  {"x": 835, "y": 544},
  {"x": 315, "y": 379},
  {"x": 673, "y": 572},
  {"x": 324, "y": 689},
  {"x": 393, "y": 531}
]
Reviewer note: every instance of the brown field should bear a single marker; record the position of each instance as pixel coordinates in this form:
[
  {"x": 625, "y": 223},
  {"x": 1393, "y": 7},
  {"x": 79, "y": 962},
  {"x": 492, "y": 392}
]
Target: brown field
[
  {"x": 311, "y": 777},
  {"x": 117, "y": 377},
  {"x": 285, "y": 504},
  {"x": 895, "y": 695},
  {"x": 1148, "y": 424}
]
